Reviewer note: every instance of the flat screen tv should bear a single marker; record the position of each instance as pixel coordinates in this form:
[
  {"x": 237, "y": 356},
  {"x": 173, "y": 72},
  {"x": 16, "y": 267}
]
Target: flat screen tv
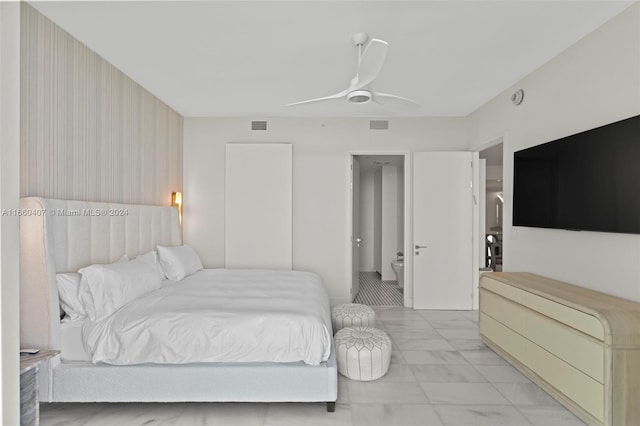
[{"x": 589, "y": 181}]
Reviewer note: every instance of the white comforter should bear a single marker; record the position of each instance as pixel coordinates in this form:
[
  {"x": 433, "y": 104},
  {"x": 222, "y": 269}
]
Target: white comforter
[{"x": 219, "y": 315}]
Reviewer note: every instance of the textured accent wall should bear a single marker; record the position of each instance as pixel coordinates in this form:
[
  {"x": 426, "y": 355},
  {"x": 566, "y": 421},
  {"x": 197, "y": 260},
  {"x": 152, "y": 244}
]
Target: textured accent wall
[{"x": 89, "y": 132}]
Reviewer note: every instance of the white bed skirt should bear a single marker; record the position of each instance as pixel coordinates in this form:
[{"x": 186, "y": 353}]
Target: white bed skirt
[{"x": 222, "y": 382}]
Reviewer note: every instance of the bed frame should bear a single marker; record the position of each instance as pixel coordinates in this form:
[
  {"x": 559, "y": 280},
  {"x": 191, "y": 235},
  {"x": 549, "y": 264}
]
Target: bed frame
[{"x": 63, "y": 236}]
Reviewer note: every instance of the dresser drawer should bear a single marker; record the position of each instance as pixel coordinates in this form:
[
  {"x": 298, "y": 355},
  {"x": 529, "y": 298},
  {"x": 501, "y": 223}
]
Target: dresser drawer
[
  {"x": 510, "y": 292},
  {"x": 579, "y": 320},
  {"x": 586, "y": 323},
  {"x": 510, "y": 341},
  {"x": 577, "y": 386},
  {"x": 587, "y": 355},
  {"x": 505, "y": 311}
]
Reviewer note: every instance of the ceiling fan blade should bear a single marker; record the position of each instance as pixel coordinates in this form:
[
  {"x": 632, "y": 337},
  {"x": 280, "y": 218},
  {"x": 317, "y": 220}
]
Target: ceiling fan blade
[
  {"x": 395, "y": 101},
  {"x": 370, "y": 64},
  {"x": 326, "y": 98}
]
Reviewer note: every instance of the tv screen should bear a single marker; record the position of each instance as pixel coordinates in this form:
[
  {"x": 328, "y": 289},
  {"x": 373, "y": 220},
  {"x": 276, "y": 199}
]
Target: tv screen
[{"x": 588, "y": 181}]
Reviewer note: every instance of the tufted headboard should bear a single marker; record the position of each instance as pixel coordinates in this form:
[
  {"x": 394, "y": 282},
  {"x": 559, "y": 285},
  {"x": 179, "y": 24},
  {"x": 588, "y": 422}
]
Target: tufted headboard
[{"x": 63, "y": 236}]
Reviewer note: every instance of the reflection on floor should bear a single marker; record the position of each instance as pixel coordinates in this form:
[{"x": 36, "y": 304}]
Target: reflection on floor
[
  {"x": 375, "y": 292},
  {"x": 441, "y": 374}
]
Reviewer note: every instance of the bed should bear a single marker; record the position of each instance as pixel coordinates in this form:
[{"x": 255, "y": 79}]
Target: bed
[{"x": 62, "y": 236}]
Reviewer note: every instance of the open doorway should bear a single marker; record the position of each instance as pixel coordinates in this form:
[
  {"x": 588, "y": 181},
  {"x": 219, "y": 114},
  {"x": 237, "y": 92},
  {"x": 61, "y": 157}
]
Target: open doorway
[
  {"x": 494, "y": 202},
  {"x": 378, "y": 229}
]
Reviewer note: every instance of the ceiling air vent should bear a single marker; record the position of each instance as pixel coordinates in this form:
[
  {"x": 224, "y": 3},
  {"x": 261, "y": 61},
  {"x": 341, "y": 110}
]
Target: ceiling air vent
[
  {"x": 258, "y": 125},
  {"x": 378, "y": 124}
]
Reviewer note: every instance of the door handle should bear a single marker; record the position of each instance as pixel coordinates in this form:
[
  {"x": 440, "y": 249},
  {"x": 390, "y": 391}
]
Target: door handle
[{"x": 419, "y": 247}]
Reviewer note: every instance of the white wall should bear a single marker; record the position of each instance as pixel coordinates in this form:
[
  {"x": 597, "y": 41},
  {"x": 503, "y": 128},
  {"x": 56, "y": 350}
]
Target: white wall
[
  {"x": 377, "y": 221},
  {"x": 594, "y": 82},
  {"x": 321, "y": 176},
  {"x": 389, "y": 243},
  {"x": 494, "y": 172},
  {"x": 491, "y": 203},
  {"x": 400, "y": 213},
  {"x": 9, "y": 199},
  {"x": 366, "y": 222}
]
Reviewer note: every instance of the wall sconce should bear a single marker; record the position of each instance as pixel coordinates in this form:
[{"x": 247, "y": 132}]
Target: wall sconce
[{"x": 176, "y": 201}]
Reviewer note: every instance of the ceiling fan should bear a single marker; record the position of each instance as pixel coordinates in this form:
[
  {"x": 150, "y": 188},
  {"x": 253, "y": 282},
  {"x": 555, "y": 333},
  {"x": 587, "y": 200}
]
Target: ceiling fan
[{"x": 370, "y": 63}]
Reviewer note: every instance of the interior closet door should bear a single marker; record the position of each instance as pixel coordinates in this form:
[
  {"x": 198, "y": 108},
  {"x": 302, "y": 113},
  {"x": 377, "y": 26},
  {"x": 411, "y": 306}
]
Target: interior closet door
[{"x": 258, "y": 206}]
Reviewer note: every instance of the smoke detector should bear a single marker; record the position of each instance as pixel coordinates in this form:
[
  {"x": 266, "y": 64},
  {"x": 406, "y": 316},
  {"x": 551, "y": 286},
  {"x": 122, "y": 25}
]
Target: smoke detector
[{"x": 517, "y": 97}]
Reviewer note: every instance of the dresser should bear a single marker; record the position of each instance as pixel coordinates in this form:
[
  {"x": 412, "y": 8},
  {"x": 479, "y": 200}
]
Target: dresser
[{"x": 581, "y": 346}]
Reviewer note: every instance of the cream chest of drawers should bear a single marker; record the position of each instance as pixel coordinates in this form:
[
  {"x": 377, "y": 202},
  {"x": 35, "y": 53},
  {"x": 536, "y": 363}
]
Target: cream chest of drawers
[{"x": 581, "y": 346}]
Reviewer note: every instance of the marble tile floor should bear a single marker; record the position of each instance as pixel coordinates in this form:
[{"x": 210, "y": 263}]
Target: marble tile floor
[{"x": 441, "y": 374}]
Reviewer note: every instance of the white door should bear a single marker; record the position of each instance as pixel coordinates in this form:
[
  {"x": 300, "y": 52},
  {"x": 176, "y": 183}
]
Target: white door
[
  {"x": 356, "y": 236},
  {"x": 442, "y": 230}
]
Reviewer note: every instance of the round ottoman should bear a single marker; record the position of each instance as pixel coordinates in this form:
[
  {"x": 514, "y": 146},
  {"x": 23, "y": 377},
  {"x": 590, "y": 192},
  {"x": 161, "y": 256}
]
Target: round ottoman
[
  {"x": 350, "y": 314},
  {"x": 363, "y": 353}
]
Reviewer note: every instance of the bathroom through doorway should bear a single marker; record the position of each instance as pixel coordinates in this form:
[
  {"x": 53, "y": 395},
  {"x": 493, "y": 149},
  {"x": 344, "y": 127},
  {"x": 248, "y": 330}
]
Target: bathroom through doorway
[{"x": 378, "y": 230}]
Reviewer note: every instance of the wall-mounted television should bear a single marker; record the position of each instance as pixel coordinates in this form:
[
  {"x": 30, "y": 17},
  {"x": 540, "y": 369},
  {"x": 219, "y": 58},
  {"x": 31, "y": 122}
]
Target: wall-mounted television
[{"x": 589, "y": 181}]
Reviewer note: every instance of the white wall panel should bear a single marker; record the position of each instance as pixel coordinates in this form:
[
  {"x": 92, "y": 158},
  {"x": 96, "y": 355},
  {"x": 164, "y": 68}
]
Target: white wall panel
[
  {"x": 389, "y": 211},
  {"x": 377, "y": 220},
  {"x": 366, "y": 222},
  {"x": 89, "y": 132},
  {"x": 258, "y": 209},
  {"x": 400, "y": 210}
]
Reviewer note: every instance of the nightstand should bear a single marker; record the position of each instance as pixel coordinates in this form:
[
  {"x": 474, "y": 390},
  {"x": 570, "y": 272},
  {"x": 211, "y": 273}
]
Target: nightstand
[{"x": 29, "y": 412}]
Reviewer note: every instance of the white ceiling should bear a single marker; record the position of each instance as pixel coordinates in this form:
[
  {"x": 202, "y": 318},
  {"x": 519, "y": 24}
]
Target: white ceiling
[{"x": 250, "y": 58}]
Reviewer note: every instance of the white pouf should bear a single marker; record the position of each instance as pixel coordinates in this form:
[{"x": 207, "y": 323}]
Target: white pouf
[
  {"x": 352, "y": 314},
  {"x": 363, "y": 353}
]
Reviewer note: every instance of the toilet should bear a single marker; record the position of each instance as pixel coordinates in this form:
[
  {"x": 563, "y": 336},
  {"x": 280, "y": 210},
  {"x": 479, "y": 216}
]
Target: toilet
[{"x": 398, "y": 268}]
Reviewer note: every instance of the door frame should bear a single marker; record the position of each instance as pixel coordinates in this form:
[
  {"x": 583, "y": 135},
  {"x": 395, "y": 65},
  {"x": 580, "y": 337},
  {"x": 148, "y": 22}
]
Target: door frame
[
  {"x": 500, "y": 139},
  {"x": 408, "y": 219}
]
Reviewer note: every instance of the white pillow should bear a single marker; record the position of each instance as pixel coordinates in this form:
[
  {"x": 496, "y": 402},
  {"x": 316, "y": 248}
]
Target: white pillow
[
  {"x": 68, "y": 284},
  {"x": 179, "y": 262},
  {"x": 115, "y": 285},
  {"x": 154, "y": 254}
]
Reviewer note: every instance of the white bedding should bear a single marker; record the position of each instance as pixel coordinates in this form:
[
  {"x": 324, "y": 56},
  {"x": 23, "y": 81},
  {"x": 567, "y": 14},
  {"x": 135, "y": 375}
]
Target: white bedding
[
  {"x": 219, "y": 315},
  {"x": 72, "y": 345}
]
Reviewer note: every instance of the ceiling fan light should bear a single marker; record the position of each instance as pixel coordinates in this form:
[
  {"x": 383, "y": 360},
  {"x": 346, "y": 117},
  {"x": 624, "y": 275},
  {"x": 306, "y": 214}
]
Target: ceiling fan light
[{"x": 359, "y": 96}]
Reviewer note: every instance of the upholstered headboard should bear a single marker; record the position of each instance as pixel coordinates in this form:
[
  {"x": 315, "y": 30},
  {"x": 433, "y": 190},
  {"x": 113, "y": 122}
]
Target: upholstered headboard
[{"x": 63, "y": 236}]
